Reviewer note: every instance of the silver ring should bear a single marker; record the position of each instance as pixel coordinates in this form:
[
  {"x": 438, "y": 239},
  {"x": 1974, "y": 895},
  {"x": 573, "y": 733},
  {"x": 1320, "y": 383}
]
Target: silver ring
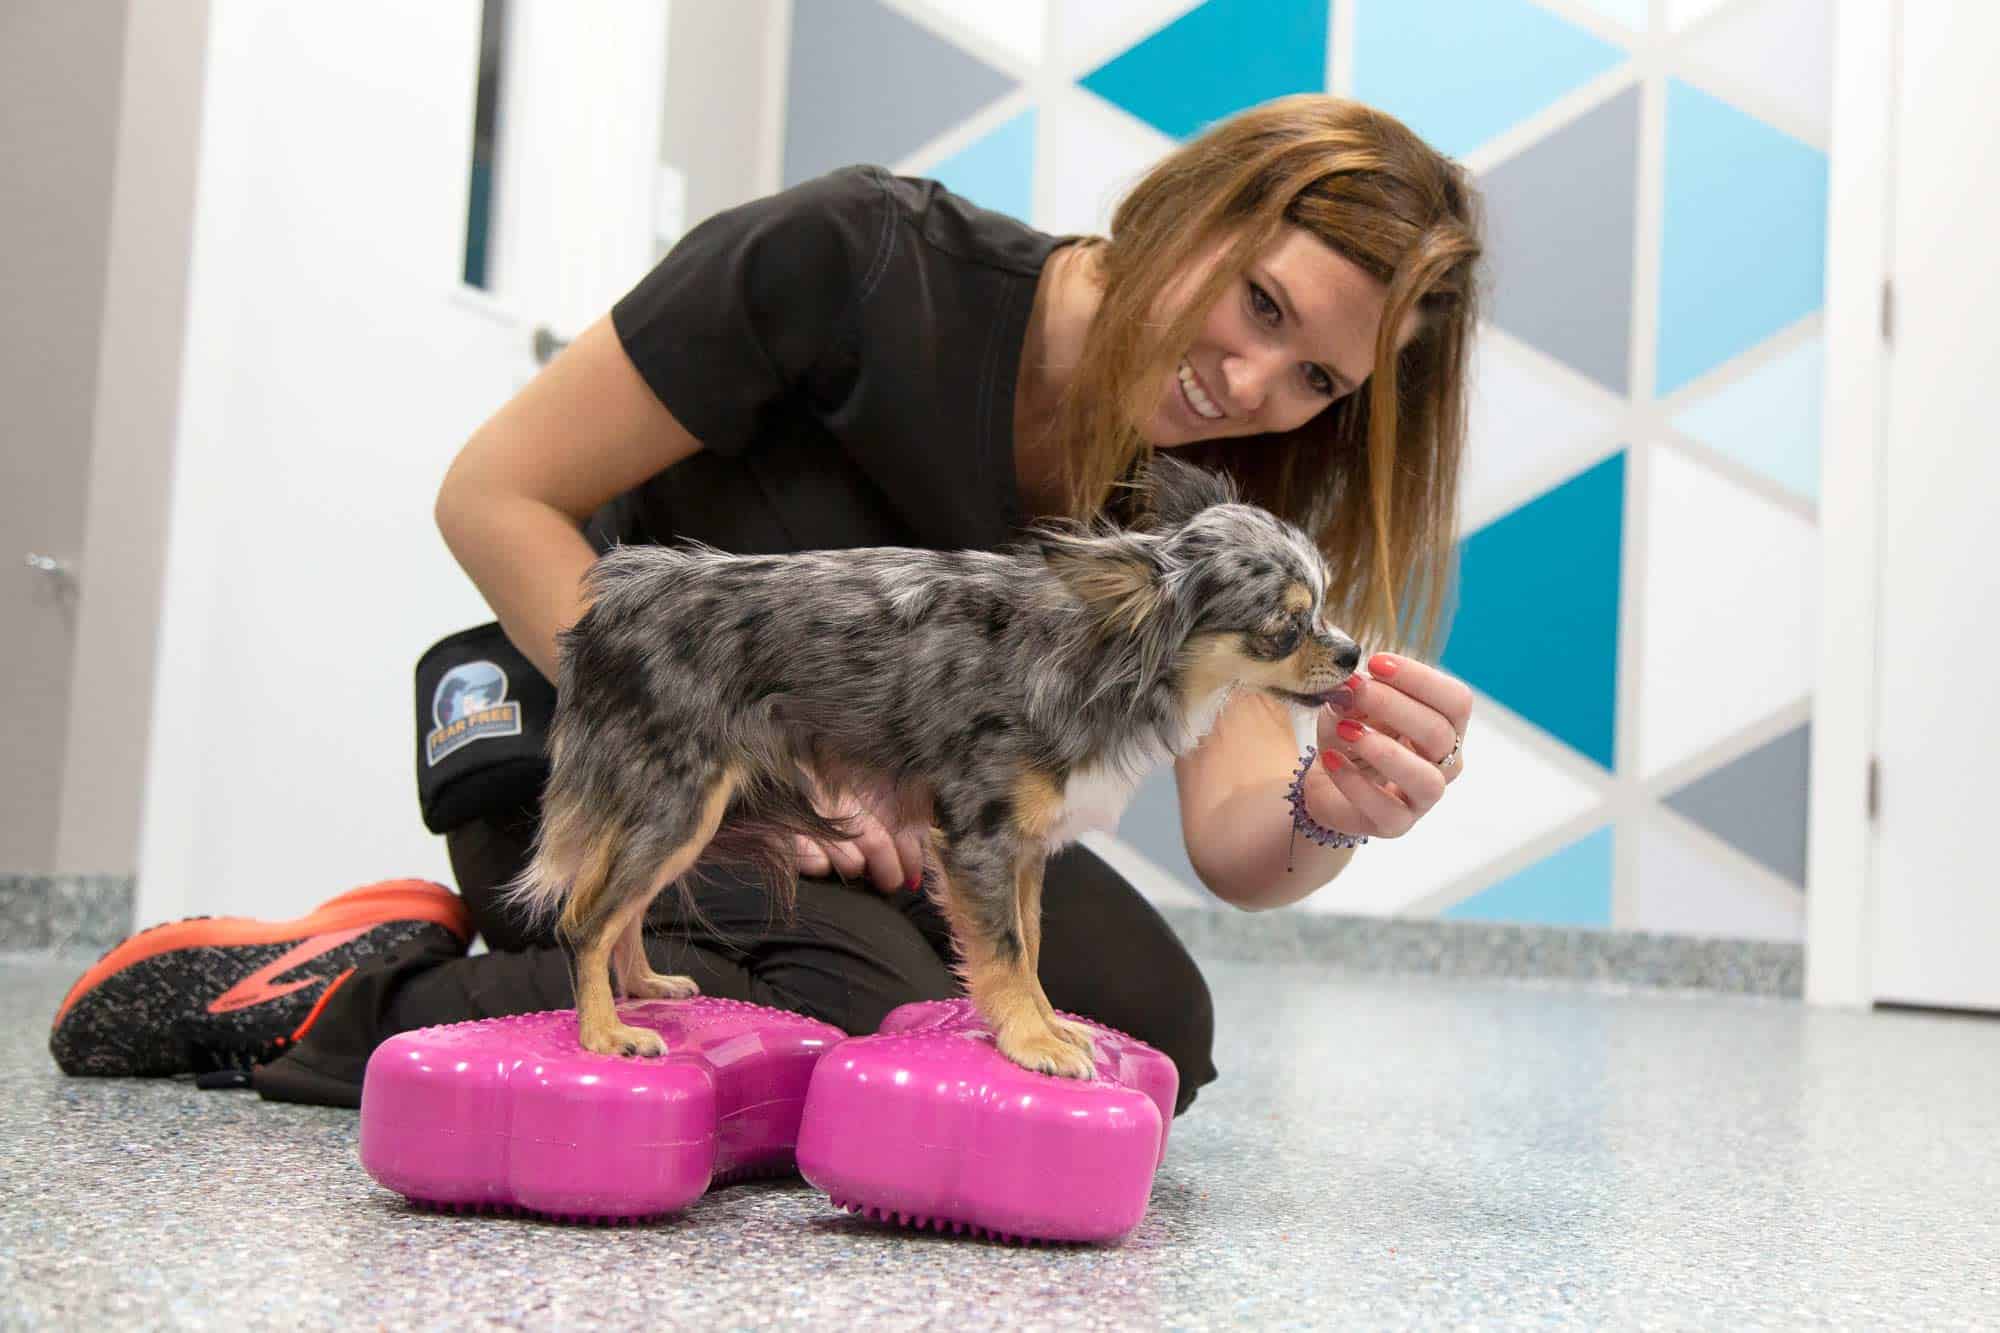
[{"x": 1457, "y": 743}]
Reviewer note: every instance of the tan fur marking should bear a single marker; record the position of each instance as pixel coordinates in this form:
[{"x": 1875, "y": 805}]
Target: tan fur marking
[
  {"x": 1009, "y": 996},
  {"x": 1213, "y": 661},
  {"x": 1298, "y": 597},
  {"x": 1121, "y": 589},
  {"x": 1038, "y": 803},
  {"x": 598, "y": 1028}
]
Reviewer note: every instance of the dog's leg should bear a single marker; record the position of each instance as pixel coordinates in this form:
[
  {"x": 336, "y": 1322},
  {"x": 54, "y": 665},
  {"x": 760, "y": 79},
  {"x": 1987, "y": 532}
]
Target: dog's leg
[
  {"x": 602, "y": 919},
  {"x": 989, "y": 868},
  {"x": 636, "y": 977},
  {"x": 598, "y": 1028},
  {"x": 1030, "y": 867}
]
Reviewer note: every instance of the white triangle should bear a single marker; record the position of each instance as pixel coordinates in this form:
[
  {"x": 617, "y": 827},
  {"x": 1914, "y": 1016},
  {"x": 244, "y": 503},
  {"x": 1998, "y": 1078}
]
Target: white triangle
[
  {"x": 1084, "y": 36},
  {"x": 1681, "y": 891},
  {"x": 1631, "y": 13},
  {"x": 1781, "y": 50},
  {"x": 1731, "y": 603},
  {"x": 1507, "y": 795},
  {"x": 1526, "y": 430},
  {"x": 1017, "y": 28},
  {"x": 1680, "y": 13},
  {"x": 1088, "y": 153}
]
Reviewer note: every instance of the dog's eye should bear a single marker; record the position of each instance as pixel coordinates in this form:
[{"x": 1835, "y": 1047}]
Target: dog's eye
[{"x": 1280, "y": 644}]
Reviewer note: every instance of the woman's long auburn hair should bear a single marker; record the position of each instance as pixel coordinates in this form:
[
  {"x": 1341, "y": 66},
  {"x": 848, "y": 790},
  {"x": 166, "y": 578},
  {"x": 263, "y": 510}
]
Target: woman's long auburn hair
[{"x": 1373, "y": 478}]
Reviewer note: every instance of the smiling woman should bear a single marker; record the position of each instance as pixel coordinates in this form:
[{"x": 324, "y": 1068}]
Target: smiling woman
[{"x": 1290, "y": 297}]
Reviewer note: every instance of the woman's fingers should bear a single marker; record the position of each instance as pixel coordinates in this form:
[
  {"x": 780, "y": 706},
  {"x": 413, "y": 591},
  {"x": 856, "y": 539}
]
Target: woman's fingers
[
  {"x": 878, "y": 855},
  {"x": 1416, "y": 781},
  {"x": 1376, "y": 812},
  {"x": 911, "y": 849},
  {"x": 813, "y": 861}
]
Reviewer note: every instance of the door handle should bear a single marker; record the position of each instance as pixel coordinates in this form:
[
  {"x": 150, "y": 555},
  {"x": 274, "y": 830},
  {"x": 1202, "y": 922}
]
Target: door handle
[{"x": 50, "y": 565}]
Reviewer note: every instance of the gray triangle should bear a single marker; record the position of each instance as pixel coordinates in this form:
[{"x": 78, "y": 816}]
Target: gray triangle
[
  {"x": 1758, "y": 803},
  {"x": 868, "y": 85},
  {"x": 1561, "y": 226}
]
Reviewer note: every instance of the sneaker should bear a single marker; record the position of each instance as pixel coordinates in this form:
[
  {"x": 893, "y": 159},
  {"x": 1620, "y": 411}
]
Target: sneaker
[{"x": 223, "y": 993}]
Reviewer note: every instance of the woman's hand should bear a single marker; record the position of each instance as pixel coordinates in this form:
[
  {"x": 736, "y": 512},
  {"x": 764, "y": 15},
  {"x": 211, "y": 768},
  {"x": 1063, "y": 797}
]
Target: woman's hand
[
  {"x": 891, "y": 861},
  {"x": 1382, "y": 750}
]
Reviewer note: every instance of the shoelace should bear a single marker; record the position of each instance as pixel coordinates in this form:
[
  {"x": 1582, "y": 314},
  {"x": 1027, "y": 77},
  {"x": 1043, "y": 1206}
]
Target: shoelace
[{"x": 221, "y": 1064}]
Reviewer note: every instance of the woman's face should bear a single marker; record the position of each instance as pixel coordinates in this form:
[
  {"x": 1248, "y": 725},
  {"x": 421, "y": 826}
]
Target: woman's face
[{"x": 1295, "y": 333}]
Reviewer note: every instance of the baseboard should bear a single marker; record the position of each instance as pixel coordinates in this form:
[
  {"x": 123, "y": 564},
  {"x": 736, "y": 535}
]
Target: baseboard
[
  {"x": 64, "y": 913},
  {"x": 1479, "y": 949}
]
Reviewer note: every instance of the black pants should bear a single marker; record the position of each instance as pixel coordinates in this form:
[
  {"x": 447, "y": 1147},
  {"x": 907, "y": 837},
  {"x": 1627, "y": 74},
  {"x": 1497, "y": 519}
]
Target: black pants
[{"x": 848, "y": 956}]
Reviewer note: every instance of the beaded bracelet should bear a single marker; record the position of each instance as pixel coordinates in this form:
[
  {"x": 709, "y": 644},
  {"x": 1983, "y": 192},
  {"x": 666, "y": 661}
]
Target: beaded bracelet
[{"x": 1315, "y": 830}]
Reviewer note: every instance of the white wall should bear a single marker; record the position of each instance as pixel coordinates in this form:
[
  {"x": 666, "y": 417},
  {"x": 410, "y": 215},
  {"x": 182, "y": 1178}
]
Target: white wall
[
  {"x": 330, "y": 377},
  {"x": 60, "y": 73}
]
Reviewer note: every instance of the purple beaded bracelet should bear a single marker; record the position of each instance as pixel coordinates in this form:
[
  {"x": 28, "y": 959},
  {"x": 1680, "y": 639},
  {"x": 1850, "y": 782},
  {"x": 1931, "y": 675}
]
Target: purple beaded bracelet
[{"x": 1315, "y": 830}]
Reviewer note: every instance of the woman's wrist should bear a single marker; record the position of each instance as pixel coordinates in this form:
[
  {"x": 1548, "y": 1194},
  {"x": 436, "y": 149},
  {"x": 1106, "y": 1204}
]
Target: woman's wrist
[{"x": 1257, "y": 858}]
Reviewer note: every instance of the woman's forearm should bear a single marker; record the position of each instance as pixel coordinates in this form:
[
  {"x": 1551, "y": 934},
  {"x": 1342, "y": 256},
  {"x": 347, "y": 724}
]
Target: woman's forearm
[
  {"x": 1248, "y": 842},
  {"x": 526, "y": 558}
]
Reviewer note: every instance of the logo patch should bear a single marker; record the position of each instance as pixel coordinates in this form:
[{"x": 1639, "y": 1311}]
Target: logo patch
[{"x": 471, "y": 704}]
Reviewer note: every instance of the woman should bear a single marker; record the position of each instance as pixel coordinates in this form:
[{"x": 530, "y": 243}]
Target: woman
[{"x": 868, "y": 360}]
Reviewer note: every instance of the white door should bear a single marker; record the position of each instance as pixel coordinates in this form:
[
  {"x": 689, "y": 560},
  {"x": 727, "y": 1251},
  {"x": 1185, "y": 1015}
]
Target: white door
[
  {"x": 336, "y": 360},
  {"x": 1936, "y": 886}
]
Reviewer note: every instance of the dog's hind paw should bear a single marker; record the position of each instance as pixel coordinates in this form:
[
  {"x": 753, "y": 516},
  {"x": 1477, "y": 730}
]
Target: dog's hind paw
[{"x": 654, "y": 986}]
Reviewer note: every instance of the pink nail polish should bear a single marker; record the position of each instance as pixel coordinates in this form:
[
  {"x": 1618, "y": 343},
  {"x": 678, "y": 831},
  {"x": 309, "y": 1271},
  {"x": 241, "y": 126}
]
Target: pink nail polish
[{"x": 1333, "y": 759}]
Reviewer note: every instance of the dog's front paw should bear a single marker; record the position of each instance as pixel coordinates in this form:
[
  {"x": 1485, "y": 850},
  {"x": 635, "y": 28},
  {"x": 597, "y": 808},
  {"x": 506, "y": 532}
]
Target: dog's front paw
[
  {"x": 621, "y": 1039},
  {"x": 1046, "y": 1051},
  {"x": 1077, "y": 1035},
  {"x": 654, "y": 986}
]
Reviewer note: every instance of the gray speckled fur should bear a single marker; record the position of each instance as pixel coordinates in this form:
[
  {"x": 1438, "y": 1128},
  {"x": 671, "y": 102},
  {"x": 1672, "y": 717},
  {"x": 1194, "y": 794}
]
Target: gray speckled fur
[{"x": 935, "y": 680}]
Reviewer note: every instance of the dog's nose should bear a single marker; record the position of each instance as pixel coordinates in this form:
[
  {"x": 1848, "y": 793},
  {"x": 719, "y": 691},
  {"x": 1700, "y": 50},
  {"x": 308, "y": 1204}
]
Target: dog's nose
[{"x": 1348, "y": 655}]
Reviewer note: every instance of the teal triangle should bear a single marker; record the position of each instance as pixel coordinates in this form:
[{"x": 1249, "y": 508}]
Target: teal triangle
[
  {"x": 997, "y": 171},
  {"x": 1570, "y": 888},
  {"x": 1743, "y": 234},
  {"x": 1460, "y": 71},
  {"x": 1536, "y": 623},
  {"x": 1217, "y": 59}
]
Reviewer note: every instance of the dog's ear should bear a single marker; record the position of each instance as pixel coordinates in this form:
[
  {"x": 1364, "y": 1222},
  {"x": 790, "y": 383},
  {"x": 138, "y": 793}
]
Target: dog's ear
[
  {"x": 1172, "y": 492},
  {"x": 1116, "y": 576}
]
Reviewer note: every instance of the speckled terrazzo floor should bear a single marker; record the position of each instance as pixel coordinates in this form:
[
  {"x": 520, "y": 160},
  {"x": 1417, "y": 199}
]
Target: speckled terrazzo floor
[{"x": 1381, "y": 1151}]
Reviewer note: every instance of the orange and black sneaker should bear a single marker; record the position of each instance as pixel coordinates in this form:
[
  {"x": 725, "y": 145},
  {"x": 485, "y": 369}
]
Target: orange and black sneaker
[{"x": 218, "y": 994}]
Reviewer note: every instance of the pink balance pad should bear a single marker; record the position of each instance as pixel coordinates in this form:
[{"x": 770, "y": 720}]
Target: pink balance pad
[
  {"x": 928, "y": 1125},
  {"x": 511, "y": 1115}
]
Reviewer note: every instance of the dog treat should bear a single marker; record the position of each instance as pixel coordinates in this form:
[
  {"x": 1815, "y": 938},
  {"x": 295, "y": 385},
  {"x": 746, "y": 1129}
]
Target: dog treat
[
  {"x": 927, "y": 1125},
  {"x": 510, "y": 1115}
]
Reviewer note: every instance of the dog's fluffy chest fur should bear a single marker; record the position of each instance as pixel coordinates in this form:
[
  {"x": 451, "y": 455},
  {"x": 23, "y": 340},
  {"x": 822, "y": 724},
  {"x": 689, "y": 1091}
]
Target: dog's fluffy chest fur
[{"x": 1096, "y": 795}]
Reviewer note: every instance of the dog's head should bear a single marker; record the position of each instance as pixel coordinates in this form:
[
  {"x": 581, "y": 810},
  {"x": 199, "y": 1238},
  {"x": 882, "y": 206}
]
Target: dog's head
[{"x": 1220, "y": 591}]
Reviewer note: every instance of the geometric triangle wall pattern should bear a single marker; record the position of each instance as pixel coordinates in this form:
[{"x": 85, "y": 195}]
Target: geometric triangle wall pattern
[
  {"x": 1768, "y": 420},
  {"x": 1572, "y": 887},
  {"x": 1743, "y": 240},
  {"x": 1459, "y": 72},
  {"x": 1561, "y": 215},
  {"x": 1536, "y": 625},
  {"x": 1217, "y": 59},
  {"x": 996, "y": 171},
  {"x": 896, "y": 87},
  {"x": 1757, "y": 803},
  {"x": 1654, "y": 177}
]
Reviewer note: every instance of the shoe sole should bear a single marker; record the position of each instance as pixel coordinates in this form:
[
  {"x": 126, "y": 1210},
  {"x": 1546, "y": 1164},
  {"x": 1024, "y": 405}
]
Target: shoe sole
[{"x": 109, "y": 1024}]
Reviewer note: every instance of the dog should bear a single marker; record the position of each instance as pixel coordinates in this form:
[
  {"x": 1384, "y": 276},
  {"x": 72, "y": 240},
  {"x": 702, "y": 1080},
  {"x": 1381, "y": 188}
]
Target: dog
[{"x": 1002, "y": 701}]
